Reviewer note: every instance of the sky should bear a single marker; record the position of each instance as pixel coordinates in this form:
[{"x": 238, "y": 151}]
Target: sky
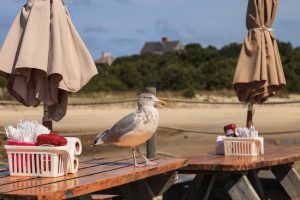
[{"x": 122, "y": 26}]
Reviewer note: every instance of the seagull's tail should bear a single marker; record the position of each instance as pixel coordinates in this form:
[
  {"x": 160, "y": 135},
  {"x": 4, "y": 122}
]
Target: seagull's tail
[{"x": 100, "y": 138}]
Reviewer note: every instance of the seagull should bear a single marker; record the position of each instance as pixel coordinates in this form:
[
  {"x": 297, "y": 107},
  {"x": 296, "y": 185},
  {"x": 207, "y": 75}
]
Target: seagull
[{"x": 135, "y": 128}]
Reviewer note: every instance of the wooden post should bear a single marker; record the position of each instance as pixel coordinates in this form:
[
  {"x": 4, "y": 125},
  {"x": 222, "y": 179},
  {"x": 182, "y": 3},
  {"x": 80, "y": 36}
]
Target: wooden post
[
  {"x": 46, "y": 119},
  {"x": 201, "y": 186},
  {"x": 254, "y": 180},
  {"x": 151, "y": 144},
  {"x": 249, "y": 122}
]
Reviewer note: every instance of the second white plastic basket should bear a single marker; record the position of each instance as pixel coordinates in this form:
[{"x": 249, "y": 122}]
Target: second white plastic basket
[
  {"x": 41, "y": 161},
  {"x": 239, "y": 146}
]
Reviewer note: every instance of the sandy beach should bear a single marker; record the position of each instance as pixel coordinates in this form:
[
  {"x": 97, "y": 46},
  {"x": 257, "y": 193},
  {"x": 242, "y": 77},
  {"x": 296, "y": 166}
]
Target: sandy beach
[
  {"x": 89, "y": 120},
  {"x": 212, "y": 118}
]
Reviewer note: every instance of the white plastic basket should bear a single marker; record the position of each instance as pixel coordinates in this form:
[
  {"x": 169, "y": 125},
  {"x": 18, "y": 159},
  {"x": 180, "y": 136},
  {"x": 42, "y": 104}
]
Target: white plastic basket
[
  {"x": 239, "y": 146},
  {"x": 41, "y": 161}
]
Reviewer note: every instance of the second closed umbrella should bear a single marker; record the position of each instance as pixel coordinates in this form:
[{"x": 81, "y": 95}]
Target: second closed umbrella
[{"x": 259, "y": 70}]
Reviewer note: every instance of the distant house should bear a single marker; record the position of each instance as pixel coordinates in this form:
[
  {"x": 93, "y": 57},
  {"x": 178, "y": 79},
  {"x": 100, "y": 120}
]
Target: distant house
[
  {"x": 106, "y": 59},
  {"x": 161, "y": 47}
]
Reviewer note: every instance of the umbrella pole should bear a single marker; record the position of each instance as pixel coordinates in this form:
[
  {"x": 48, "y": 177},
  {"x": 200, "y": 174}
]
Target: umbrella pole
[
  {"x": 250, "y": 115},
  {"x": 46, "y": 119}
]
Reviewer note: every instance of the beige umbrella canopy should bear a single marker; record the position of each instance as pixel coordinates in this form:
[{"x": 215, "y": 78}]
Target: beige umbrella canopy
[
  {"x": 43, "y": 57},
  {"x": 259, "y": 70}
]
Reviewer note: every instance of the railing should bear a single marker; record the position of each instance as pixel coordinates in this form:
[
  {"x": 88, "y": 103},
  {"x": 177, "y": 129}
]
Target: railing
[
  {"x": 171, "y": 100},
  {"x": 216, "y": 133}
]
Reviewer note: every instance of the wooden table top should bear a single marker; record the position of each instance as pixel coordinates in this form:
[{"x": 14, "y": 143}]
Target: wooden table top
[
  {"x": 94, "y": 174},
  {"x": 274, "y": 155}
]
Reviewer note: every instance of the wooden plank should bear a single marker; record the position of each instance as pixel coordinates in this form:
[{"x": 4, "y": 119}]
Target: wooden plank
[
  {"x": 288, "y": 178},
  {"x": 5, "y": 173},
  {"x": 102, "y": 164},
  {"x": 5, "y": 179},
  {"x": 98, "y": 181},
  {"x": 241, "y": 189},
  {"x": 274, "y": 155},
  {"x": 95, "y": 167}
]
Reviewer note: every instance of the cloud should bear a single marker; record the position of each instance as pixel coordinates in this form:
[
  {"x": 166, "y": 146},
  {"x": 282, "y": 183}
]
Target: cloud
[{"x": 95, "y": 29}]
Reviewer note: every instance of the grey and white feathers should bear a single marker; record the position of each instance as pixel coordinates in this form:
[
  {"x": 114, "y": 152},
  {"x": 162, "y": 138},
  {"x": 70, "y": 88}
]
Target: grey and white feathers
[{"x": 135, "y": 128}]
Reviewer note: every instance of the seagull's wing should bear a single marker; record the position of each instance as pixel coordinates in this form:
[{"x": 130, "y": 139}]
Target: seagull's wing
[{"x": 123, "y": 126}]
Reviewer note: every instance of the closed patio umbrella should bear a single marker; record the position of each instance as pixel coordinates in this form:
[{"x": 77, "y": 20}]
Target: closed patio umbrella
[
  {"x": 259, "y": 70},
  {"x": 43, "y": 57}
]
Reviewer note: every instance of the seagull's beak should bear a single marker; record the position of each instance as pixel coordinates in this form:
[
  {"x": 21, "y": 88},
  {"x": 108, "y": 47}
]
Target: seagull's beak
[
  {"x": 161, "y": 102},
  {"x": 94, "y": 144}
]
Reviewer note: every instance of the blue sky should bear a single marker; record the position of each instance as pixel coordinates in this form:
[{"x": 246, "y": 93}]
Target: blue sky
[{"x": 122, "y": 26}]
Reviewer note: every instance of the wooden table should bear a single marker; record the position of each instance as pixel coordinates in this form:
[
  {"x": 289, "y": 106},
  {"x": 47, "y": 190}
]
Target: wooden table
[
  {"x": 239, "y": 174},
  {"x": 96, "y": 174}
]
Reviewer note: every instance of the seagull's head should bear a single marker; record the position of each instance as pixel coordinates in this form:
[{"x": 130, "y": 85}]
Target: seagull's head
[{"x": 147, "y": 99}]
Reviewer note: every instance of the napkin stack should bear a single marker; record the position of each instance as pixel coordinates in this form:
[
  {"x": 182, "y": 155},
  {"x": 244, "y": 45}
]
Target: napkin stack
[{"x": 26, "y": 131}]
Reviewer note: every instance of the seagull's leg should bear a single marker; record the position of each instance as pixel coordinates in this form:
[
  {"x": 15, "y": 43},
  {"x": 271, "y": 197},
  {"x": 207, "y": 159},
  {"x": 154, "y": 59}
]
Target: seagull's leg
[
  {"x": 134, "y": 158},
  {"x": 148, "y": 162}
]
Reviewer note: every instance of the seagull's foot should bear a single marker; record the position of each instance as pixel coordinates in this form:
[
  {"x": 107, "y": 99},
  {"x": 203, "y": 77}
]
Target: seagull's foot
[
  {"x": 150, "y": 163},
  {"x": 139, "y": 165}
]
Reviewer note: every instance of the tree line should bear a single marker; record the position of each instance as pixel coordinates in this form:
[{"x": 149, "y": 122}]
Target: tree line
[{"x": 195, "y": 68}]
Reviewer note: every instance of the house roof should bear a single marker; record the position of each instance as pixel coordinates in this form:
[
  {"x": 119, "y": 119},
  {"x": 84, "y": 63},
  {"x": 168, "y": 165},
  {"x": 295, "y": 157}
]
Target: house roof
[
  {"x": 153, "y": 47},
  {"x": 171, "y": 46},
  {"x": 160, "y": 47}
]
